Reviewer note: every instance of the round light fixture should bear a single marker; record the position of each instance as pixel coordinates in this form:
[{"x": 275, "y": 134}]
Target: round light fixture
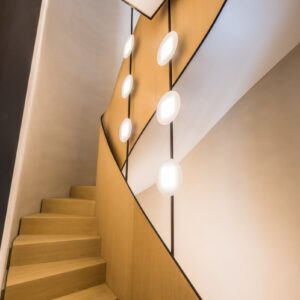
[
  {"x": 127, "y": 86},
  {"x": 128, "y": 48},
  {"x": 168, "y": 108},
  {"x": 169, "y": 178},
  {"x": 125, "y": 130},
  {"x": 167, "y": 48}
]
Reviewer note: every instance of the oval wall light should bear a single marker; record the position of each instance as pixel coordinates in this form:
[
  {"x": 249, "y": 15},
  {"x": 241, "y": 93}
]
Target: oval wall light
[
  {"x": 167, "y": 48},
  {"x": 125, "y": 130},
  {"x": 127, "y": 86},
  {"x": 168, "y": 108},
  {"x": 128, "y": 48},
  {"x": 169, "y": 178}
]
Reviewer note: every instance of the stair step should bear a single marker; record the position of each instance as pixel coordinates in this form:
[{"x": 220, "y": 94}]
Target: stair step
[
  {"x": 55, "y": 279},
  {"x": 33, "y": 249},
  {"x": 52, "y": 224},
  {"x": 69, "y": 206},
  {"x": 83, "y": 192},
  {"x": 99, "y": 292}
]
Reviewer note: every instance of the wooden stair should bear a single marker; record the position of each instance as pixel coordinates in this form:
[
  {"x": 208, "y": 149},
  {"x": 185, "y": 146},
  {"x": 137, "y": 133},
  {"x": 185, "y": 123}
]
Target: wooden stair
[{"x": 57, "y": 254}]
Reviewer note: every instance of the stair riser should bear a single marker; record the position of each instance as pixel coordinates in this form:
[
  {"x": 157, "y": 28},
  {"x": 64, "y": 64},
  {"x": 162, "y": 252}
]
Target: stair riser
[
  {"x": 85, "y": 226},
  {"x": 57, "y": 251},
  {"x": 69, "y": 207},
  {"x": 58, "y": 285},
  {"x": 83, "y": 192}
]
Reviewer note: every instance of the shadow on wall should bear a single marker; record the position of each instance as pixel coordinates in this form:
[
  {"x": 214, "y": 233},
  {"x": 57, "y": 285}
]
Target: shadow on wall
[{"x": 237, "y": 216}]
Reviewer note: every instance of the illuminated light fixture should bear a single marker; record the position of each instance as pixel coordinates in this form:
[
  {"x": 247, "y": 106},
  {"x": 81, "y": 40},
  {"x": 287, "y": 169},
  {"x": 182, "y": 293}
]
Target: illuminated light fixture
[
  {"x": 167, "y": 48},
  {"x": 128, "y": 48},
  {"x": 127, "y": 86},
  {"x": 168, "y": 108},
  {"x": 125, "y": 130},
  {"x": 169, "y": 178}
]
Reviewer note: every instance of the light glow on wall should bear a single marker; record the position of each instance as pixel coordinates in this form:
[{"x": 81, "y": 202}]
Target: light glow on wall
[{"x": 167, "y": 48}]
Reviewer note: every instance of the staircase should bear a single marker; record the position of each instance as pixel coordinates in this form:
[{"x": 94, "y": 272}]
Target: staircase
[{"x": 57, "y": 252}]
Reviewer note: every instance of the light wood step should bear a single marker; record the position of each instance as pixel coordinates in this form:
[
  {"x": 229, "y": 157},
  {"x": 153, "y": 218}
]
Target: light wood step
[
  {"x": 83, "y": 192},
  {"x": 55, "y": 279},
  {"x": 99, "y": 292},
  {"x": 52, "y": 224},
  {"x": 33, "y": 249},
  {"x": 69, "y": 206}
]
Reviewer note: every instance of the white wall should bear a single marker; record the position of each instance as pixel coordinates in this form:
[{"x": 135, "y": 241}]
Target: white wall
[
  {"x": 249, "y": 38},
  {"x": 76, "y": 60},
  {"x": 237, "y": 214}
]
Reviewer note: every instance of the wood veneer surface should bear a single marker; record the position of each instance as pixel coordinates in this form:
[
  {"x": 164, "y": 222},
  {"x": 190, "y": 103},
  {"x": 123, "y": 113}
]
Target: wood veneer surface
[{"x": 138, "y": 264}]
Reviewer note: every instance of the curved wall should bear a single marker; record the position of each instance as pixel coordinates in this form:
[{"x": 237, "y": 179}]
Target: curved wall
[{"x": 237, "y": 213}]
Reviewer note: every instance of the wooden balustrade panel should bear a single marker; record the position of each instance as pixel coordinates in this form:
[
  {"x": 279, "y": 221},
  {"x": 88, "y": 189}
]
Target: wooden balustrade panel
[
  {"x": 192, "y": 20},
  {"x": 138, "y": 264}
]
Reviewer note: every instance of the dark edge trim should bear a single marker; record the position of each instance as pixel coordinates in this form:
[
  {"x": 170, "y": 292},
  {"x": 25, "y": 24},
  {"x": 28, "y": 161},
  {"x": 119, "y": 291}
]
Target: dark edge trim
[
  {"x": 145, "y": 15},
  {"x": 176, "y": 81},
  {"x": 145, "y": 215}
]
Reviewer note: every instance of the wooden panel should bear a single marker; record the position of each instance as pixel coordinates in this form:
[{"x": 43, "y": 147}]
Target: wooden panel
[
  {"x": 115, "y": 214},
  {"x": 191, "y": 19},
  {"x": 138, "y": 265},
  {"x": 153, "y": 264},
  {"x": 151, "y": 79}
]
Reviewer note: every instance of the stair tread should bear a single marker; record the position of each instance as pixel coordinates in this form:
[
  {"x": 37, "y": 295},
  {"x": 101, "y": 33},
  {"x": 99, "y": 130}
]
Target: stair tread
[
  {"x": 21, "y": 274},
  {"x": 28, "y": 239},
  {"x": 71, "y": 199},
  {"x": 99, "y": 292},
  {"x": 55, "y": 216}
]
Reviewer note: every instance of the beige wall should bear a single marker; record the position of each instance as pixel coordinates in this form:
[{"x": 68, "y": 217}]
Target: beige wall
[
  {"x": 237, "y": 215},
  {"x": 77, "y": 55}
]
